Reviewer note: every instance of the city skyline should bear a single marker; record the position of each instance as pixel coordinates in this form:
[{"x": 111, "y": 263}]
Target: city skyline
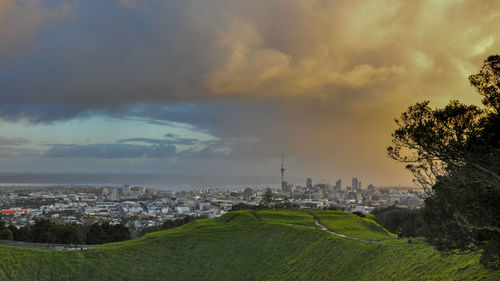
[{"x": 215, "y": 88}]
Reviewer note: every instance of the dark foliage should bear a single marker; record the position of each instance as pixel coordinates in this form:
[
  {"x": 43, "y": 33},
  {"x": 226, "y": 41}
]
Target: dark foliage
[
  {"x": 6, "y": 234},
  {"x": 284, "y": 205},
  {"x": 107, "y": 233},
  {"x": 47, "y": 231},
  {"x": 491, "y": 255},
  {"x": 24, "y": 234},
  {"x": 243, "y": 206},
  {"x": 120, "y": 232},
  {"x": 334, "y": 208},
  {"x": 454, "y": 153},
  {"x": 170, "y": 224},
  {"x": 405, "y": 222},
  {"x": 95, "y": 235},
  {"x": 359, "y": 214}
]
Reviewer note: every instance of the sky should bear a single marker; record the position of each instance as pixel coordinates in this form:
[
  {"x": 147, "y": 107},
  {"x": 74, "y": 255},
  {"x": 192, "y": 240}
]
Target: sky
[{"x": 225, "y": 87}]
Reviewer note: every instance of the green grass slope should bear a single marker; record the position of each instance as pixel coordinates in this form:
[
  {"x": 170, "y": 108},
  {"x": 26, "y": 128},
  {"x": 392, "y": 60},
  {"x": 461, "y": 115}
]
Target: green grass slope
[
  {"x": 249, "y": 245},
  {"x": 352, "y": 225}
]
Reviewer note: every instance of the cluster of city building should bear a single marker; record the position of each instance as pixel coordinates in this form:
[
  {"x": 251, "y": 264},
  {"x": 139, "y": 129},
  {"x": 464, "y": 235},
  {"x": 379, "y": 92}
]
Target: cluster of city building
[
  {"x": 351, "y": 198},
  {"x": 140, "y": 207},
  {"x": 137, "y": 207}
]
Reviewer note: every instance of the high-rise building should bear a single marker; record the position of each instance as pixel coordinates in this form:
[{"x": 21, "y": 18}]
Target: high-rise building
[
  {"x": 247, "y": 192},
  {"x": 126, "y": 189},
  {"x": 371, "y": 188},
  {"x": 355, "y": 183},
  {"x": 309, "y": 183},
  {"x": 338, "y": 185},
  {"x": 284, "y": 186}
]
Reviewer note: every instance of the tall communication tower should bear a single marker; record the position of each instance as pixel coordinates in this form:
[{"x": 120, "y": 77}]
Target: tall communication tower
[{"x": 283, "y": 182}]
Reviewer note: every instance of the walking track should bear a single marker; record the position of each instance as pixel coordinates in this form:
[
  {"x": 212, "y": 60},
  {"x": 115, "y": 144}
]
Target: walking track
[{"x": 324, "y": 228}]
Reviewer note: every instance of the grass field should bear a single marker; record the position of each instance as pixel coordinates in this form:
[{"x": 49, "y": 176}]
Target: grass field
[
  {"x": 352, "y": 225},
  {"x": 250, "y": 245}
]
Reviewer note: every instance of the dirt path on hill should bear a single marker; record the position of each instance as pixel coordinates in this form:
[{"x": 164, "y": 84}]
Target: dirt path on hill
[{"x": 324, "y": 228}]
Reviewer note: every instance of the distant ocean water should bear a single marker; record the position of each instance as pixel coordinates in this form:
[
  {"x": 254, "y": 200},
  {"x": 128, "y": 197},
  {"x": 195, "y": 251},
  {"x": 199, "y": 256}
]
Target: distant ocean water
[
  {"x": 173, "y": 187},
  {"x": 159, "y": 182}
]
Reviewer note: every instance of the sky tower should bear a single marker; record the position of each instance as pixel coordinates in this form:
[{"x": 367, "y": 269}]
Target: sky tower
[{"x": 283, "y": 182}]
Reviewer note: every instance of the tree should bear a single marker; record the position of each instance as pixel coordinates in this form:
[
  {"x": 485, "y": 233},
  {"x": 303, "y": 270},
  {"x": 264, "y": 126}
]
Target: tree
[
  {"x": 2, "y": 223},
  {"x": 120, "y": 232},
  {"x": 107, "y": 232},
  {"x": 6, "y": 234},
  {"x": 94, "y": 235},
  {"x": 454, "y": 154},
  {"x": 14, "y": 230},
  {"x": 71, "y": 234},
  {"x": 408, "y": 222},
  {"x": 24, "y": 234},
  {"x": 43, "y": 231}
]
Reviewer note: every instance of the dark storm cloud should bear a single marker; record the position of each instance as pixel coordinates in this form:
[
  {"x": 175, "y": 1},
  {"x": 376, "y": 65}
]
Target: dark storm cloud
[
  {"x": 203, "y": 117},
  {"x": 16, "y": 153},
  {"x": 13, "y": 147},
  {"x": 104, "y": 54},
  {"x": 12, "y": 141},
  {"x": 209, "y": 152},
  {"x": 161, "y": 151},
  {"x": 111, "y": 151},
  {"x": 120, "y": 150},
  {"x": 227, "y": 119},
  {"x": 173, "y": 141},
  {"x": 43, "y": 113}
]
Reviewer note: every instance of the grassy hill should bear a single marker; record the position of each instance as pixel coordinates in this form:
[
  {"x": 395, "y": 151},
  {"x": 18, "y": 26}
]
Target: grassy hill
[{"x": 250, "y": 245}]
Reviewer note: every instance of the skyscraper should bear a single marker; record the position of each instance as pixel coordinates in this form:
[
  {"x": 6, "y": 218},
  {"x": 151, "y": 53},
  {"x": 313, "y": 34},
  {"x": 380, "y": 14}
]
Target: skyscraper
[
  {"x": 338, "y": 185},
  {"x": 309, "y": 183},
  {"x": 355, "y": 183},
  {"x": 248, "y": 192}
]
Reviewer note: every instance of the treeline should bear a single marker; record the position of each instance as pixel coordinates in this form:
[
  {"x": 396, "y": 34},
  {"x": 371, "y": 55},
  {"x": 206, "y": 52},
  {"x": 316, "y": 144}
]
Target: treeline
[
  {"x": 403, "y": 221},
  {"x": 284, "y": 205},
  {"x": 335, "y": 208},
  {"x": 170, "y": 224},
  {"x": 47, "y": 231},
  {"x": 107, "y": 233}
]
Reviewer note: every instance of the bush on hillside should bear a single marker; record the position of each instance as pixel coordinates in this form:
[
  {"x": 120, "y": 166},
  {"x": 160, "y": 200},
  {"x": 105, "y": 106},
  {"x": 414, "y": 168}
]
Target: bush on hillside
[
  {"x": 359, "y": 214},
  {"x": 334, "y": 208},
  {"x": 168, "y": 224},
  {"x": 107, "y": 233},
  {"x": 406, "y": 222},
  {"x": 6, "y": 234},
  {"x": 284, "y": 205}
]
